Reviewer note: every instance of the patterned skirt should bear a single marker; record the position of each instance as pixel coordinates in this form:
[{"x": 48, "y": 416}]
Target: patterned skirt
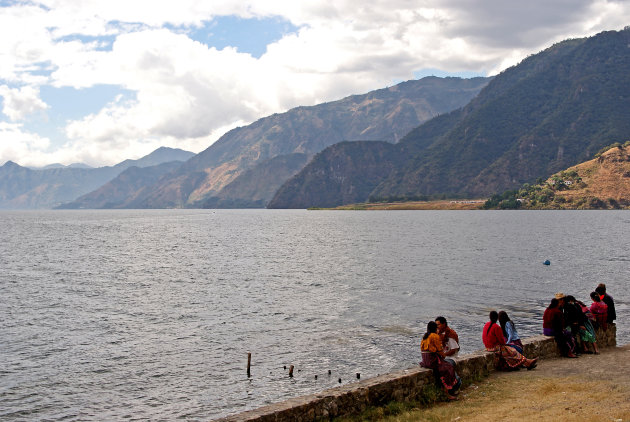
[
  {"x": 443, "y": 371},
  {"x": 588, "y": 334},
  {"x": 509, "y": 355}
]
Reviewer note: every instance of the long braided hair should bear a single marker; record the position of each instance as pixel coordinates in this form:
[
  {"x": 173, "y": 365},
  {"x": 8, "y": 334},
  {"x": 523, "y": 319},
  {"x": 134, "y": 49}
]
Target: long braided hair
[{"x": 494, "y": 317}]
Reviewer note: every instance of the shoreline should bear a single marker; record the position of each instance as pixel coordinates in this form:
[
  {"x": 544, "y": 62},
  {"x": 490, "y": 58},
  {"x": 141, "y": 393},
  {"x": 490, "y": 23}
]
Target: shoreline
[
  {"x": 409, "y": 385},
  {"x": 447, "y": 204}
]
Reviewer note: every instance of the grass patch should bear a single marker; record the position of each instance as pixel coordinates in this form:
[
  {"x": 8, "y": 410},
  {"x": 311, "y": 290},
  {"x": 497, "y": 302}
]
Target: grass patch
[
  {"x": 429, "y": 396},
  {"x": 528, "y": 397}
]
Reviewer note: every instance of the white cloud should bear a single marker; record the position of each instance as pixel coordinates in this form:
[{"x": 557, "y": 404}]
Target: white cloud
[
  {"x": 187, "y": 93},
  {"x": 20, "y": 146},
  {"x": 20, "y": 102}
]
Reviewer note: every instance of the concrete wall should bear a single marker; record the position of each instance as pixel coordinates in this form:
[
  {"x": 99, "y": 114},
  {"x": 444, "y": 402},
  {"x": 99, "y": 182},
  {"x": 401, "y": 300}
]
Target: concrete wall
[{"x": 406, "y": 385}]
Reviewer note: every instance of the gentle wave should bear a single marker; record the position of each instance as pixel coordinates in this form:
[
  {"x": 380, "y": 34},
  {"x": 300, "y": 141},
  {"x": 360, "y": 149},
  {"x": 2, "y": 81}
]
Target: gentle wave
[{"x": 150, "y": 315}]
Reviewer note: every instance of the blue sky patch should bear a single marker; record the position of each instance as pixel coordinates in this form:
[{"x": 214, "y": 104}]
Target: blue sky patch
[
  {"x": 247, "y": 35},
  {"x": 75, "y": 103},
  {"x": 11, "y": 3},
  {"x": 70, "y": 104},
  {"x": 105, "y": 43}
]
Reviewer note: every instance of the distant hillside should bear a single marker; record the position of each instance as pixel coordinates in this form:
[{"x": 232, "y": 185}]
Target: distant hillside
[
  {"x": 254, "y": 187},
  {"x": 58, "y": 165},
  {"x": 159, "y": 156},
  {"x": 600, "y": 183},
  {"x": 121, "y": 191},
  {"x": 551, "y": 111},
  {"x": 24, "y": 188},
  {"x": 385, "y": 115}
]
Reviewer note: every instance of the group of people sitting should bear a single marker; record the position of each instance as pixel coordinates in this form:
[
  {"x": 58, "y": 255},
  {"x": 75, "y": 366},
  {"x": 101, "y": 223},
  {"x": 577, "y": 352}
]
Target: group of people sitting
[
  {"x": 572, "y": 323},
  {"x": 568, "y": 320}
]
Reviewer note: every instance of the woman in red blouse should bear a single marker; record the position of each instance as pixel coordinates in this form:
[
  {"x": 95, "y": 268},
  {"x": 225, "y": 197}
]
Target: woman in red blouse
[
  {"x": 599, "y": 310},
  {"x": 507, "y": 356}
]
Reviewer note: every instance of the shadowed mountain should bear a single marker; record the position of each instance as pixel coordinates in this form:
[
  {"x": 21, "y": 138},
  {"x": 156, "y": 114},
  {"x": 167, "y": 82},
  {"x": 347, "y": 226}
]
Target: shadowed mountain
[
  {"x": 254, "y": 187},
  {"x": 551, "y": 111},
  {"x": 323, "y": 181},
  {"x": 385, "y": 115},
  {"x": 24, "y": 188}
]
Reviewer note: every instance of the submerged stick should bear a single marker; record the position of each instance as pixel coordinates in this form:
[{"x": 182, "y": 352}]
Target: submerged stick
[{"x": 249, "y": 364}]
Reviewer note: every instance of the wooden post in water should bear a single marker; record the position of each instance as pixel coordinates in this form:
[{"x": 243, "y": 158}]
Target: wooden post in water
[
  {"x": 291, "y": 371},
  {"x": 249, "y": 364}
]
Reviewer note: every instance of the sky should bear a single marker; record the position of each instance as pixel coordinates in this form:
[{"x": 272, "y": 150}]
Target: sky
[{"x": 98, "y": 82}]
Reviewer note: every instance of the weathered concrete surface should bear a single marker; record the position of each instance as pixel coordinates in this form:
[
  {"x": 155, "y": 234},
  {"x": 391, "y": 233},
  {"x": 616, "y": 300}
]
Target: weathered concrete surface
[{"x": 405, "y": 385}]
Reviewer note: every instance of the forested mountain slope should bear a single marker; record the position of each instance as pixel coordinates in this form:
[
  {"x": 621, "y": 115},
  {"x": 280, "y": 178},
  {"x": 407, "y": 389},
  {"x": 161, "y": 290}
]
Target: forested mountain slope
[{"x": 551, "y": 111}]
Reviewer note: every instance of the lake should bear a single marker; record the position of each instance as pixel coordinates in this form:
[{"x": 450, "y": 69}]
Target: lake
[{"x": 150, "y": 314}]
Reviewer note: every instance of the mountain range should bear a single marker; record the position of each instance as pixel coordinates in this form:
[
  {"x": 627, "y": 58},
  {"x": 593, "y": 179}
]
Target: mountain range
[
  {"x": 25, "y": 188},
  {"x": 422, "y": 139},
  {"x": 551, "y": 111},
  {"x": 246, "y": 166}
]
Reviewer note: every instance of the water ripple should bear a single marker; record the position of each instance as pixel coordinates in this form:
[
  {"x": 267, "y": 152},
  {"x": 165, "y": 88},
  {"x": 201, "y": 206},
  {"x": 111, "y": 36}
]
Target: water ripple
[{"x": 149, "y": 315}]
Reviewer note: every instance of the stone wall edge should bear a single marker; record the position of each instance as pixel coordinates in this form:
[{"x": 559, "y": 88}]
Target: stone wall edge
[{"x": 403, "y": 385}]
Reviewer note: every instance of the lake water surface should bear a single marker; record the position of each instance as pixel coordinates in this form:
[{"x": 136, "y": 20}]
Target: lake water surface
[{"x": 149, "y": 315}]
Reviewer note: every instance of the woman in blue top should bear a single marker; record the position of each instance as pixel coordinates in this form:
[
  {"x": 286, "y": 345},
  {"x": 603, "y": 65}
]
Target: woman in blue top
[{"x": 509, "y": 331}]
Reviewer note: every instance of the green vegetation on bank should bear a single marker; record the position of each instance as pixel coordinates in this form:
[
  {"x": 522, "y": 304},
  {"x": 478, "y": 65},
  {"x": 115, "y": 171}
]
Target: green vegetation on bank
[
  {"x": 540, "y": 195},
  {"x": 611, "y": 146},
  {"x": 545, "y": 194},
  {"x": 430, "y": 396}
]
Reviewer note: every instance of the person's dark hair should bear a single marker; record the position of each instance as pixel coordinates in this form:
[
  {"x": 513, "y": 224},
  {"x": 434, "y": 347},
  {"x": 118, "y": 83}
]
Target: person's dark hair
[
  {"x": 494, "y": 316},
  {"x": 569, "y": 298},
  {"x": 431, "y": 328},
  {"x": 503, "y": 320},
  {"x": 554, "y": 303},
  {"x": 595, "y": 296},
  {"x": 441, "y": 320},
  {"x": 601, "y": 289}
]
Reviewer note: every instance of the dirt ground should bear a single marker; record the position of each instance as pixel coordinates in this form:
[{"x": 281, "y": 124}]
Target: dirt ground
[{"x": 589, "y": 388}]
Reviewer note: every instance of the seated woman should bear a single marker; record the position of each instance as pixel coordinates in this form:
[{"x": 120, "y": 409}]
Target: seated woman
[
  {"x": 508, "y": 356},
  {"x": 587, "y": 332},
  {"x": 509, "y": 332},
  {"x": 553, "y": 325},
  {"x": 433, "y": 358},
  {"x": 599, "y": 310}
]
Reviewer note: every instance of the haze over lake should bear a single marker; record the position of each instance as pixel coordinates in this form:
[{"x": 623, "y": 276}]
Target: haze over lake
[{"x": 150, "y": 314}]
